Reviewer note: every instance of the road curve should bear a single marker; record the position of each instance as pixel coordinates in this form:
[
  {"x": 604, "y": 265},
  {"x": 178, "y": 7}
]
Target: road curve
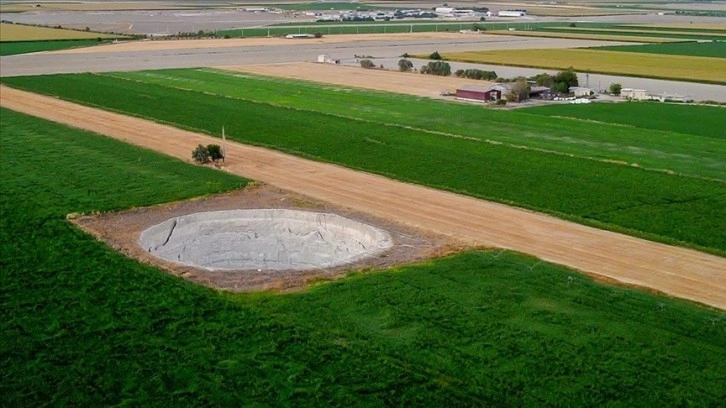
[{"x": 676, "y": 271}]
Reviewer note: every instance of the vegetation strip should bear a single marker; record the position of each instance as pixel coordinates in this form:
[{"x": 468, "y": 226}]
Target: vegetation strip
[{"x": 661, "y": 206}]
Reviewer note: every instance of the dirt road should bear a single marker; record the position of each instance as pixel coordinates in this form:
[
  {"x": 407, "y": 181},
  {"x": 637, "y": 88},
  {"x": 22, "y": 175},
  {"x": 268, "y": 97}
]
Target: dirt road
[
  {"x": 381, "y": 80},
  {"x": 675, "y": 271}
]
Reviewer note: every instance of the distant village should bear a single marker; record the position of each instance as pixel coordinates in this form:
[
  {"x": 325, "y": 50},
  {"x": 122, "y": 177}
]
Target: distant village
[{"x": 443, "y": 13}]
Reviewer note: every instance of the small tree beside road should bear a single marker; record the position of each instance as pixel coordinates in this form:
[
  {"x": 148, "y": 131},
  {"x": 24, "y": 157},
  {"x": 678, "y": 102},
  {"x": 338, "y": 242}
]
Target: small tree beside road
[{"x": 615, "y": 89}]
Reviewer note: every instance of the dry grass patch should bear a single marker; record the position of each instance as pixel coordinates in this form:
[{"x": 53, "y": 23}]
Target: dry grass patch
[
  {"x": 697, "y": 69},
  {"x": 19, "y": 32},
  {"x": 88, "y": 6}
]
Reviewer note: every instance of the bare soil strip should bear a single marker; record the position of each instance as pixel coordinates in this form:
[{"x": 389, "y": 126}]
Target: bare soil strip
[
  {"x": 674, "y": 271},
  {"x": 381, "y": 80},
  {"x": 158, "y": 45}
]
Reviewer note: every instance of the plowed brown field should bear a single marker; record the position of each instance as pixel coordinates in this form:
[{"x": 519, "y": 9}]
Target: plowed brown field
[{"x": 675, "y": 271}]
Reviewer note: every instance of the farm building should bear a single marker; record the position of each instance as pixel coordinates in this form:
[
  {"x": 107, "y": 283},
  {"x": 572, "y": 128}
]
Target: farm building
[
  {"x": 635, "y": 94},
  {"x": 479, "y": 93},
  {"x": 579, "y": 91},
  {"x": 512, "y": 13}
]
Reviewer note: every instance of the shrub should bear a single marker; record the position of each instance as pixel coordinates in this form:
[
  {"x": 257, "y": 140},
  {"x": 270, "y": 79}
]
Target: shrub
[
  {"x": 405, "y": 65},
  {"x": 201, "y": 154},
  {"x": 215, "y": 152},
  {"x": 440, "y": 68},
  {"x": 366, "y": 63},
  {"x": 564, "y": 80},
  {"x": 476, "y": 74},
  {"x": 435, "y": 56},
  {"x": 615, "y": 88},
  {"x": 318, "y": 35}
]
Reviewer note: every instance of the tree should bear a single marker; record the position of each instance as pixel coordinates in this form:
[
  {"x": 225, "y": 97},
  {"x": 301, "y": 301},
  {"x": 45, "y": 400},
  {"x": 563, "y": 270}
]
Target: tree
[
  {"x": 366, "y": 63},
  {"x": 615, "y": 88},
  {"x": 564, "y": 80},
  {"x": 440, "y": 68},
  {"x": 200, "y": 154},
  {"x": 435, "y": 56},
  {"x": 405, "y": 65},
  {"x": 520, "y": 91},
  {"x": 215, "y": 152},
  {"x": 544, "y": 79}
]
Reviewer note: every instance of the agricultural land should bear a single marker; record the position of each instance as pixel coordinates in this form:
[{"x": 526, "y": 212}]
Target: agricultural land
[
  {"x": 684, "y": 68},
  {"x": 118, "y": 324},
  {"x": 19, "y": 32},
  {"x": 714, "y": 49}
]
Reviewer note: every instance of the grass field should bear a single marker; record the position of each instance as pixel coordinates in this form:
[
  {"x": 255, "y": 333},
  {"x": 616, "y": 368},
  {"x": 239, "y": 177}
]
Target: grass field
[
  {"x": 685, "y": 68},
  {"x": 681, "y": 26},
  {"x": 660, "y": 205},
  {"x": 584, "y": 36},
  {"x": 647, "y": 115},
  {"x": 19, "y": 32},
  {"x": 24, "y": 47},
  {"x": 715, "y": 49},
  {"x": 692, "y": 152},
  {"x": 83, "y": 326}
]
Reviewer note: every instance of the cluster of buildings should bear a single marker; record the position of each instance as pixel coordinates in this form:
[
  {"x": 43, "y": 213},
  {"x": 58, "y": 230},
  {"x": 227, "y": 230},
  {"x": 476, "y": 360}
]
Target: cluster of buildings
[
  {"x": 445, "y": 12},
  {"x": 643, "y": 95}
]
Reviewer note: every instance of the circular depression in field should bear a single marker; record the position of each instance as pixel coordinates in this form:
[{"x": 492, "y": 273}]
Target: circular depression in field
[{"x": 270, "y": 239}]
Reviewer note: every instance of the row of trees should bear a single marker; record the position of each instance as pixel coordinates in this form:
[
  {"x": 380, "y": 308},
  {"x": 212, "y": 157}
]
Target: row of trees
[{"x": 476, "y": 74}]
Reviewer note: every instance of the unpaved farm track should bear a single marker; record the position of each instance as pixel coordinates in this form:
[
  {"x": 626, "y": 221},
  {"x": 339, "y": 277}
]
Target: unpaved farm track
[{"x": 675, "y": 271}]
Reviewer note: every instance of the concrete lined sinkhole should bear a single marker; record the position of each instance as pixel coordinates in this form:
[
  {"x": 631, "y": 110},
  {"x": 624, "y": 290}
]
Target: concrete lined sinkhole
[{"x": 270, "y": 239}]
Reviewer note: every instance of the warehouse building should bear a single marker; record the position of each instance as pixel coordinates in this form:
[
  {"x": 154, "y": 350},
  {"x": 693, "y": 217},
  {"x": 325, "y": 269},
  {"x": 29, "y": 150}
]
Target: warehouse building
[{"x": 480, "y": 93}]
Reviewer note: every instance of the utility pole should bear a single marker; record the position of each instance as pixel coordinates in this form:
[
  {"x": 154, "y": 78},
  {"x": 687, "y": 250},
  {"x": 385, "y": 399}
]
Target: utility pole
[{"x": 224, "y": 145}]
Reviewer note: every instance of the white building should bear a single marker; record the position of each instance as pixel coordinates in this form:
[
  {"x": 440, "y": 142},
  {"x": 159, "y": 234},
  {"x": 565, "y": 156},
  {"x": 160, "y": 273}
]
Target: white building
[
  {"x": 635, "y": 94},
  {"x": 579, "y": 91},
  {"x": 512, "y": 13}
]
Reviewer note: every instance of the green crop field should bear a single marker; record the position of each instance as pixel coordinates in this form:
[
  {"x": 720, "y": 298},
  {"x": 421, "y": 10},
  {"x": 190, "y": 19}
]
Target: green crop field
[
  {"x": 686, "y": 68},
  {"x": 635, "y": 31},
  {"x": 715, "y": 49},
  {"x": 24, "y": 47},
  {"x": 647, "y": 115},
  {"x": 84, "y": 326},
  {"x": 687, "y": 152},
  {"x": 585, "y": 36},
  {"x": 658, "y": 205}
]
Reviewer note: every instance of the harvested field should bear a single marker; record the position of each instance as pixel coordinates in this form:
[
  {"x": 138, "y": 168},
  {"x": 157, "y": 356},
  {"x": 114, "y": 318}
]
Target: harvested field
[
  {"x": 261, "y": 41},
  {"x": 675, "y": 271},
  {"x": 685, "y": 68},
  {"x": 90, "y": 6},
  {"x": 381, "y": 80},
  {"x": 19, "y": 32}
]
